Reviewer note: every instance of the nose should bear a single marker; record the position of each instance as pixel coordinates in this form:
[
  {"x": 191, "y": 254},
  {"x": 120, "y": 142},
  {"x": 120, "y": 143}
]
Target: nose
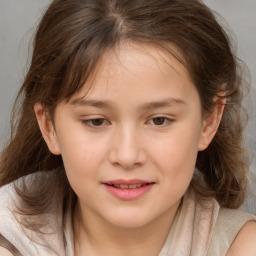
[{"x": 127, "y": 149}]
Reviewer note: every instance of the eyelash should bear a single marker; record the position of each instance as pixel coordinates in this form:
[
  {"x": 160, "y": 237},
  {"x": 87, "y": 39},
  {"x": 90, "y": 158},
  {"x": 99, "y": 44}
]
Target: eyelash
[
  {"x": 91, "y": 122},
  {"x": 166, "y": 121}
]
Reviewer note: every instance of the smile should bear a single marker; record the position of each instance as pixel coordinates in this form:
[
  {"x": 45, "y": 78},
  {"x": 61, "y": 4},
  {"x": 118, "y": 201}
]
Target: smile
[
  {"x": 125, "y": 186},
  {"x": 128, "y": 190}
]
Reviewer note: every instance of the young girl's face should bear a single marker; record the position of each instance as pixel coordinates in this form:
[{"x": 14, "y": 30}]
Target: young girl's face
[{"x": 130, "y": 145}]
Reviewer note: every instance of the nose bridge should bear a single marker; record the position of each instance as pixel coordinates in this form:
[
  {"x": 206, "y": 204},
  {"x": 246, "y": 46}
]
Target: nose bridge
[{"x": 127, "y": 150}]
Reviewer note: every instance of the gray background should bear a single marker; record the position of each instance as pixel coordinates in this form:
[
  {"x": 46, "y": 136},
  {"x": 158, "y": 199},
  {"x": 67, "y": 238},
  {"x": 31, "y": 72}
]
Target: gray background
[{"x": 18, "y": 20}]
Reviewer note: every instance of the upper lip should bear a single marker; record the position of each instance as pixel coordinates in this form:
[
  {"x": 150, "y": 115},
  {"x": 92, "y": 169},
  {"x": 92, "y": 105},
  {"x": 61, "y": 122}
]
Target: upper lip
[{"x": 127, "y": 182}]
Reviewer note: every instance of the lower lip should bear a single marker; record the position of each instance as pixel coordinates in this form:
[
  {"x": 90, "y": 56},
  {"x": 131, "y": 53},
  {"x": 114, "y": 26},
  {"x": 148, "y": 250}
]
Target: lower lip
[{"x": 129, "y": 193}]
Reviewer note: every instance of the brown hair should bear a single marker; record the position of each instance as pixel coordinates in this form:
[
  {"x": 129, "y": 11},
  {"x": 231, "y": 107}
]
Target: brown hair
[{"x": 68, "y": 45}]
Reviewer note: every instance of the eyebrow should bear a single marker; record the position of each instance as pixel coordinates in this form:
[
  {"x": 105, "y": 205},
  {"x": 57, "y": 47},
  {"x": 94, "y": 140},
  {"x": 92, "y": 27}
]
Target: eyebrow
[
  {"x": 146, "y": 106},
  {"x": 163, "y": 103},
  {"x": 90, "y": 102}
]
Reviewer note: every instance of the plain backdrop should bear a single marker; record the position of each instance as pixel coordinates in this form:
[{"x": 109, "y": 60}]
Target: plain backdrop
[{"x": 19, "y": 18}]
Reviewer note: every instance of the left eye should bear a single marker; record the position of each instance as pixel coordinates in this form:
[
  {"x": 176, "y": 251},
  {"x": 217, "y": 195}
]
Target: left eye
[
  {"x": 160, "y": 121},
  {"x": 95, "y": 122}
]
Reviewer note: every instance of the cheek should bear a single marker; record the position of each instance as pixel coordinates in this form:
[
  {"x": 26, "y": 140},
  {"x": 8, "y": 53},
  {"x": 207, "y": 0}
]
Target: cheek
[
  {"x": 175, "y": 156},
  {"x": 82, "y": 161},
  {"x": 81, "y": 153},
  {"x": 179, "y": 149}
]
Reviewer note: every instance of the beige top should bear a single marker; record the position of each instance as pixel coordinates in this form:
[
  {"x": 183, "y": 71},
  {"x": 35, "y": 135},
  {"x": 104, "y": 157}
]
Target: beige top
[{"x": 200, "y": 228}]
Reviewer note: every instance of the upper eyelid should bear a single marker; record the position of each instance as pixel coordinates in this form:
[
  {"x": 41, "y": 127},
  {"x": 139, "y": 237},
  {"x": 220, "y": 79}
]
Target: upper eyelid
[
  {"x": 87, "y": 121},
  {"x": 91, "y": 118},
  {"x": 167, "y": 121},
  {"x": 161, "y": 116},
  {"x": 104, "y": 118},
  {"x": 166, "y": 118}
]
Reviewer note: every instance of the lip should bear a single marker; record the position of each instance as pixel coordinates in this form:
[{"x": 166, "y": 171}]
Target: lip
[{"x": 128, "y": 193}]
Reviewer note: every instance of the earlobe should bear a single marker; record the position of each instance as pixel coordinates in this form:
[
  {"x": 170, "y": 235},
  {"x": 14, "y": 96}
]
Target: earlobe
[
  {"x": 211, "y": 124},
  {"x": 47, "y": 128}
]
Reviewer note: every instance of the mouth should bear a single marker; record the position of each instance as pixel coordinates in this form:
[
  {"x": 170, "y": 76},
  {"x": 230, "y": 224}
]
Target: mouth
[
  {"x": 126, "y": 186},
  {"x": 128, "y": 189}
]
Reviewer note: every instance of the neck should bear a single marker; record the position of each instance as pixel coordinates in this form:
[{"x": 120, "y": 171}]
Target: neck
[{"x": 98, "y": 237}]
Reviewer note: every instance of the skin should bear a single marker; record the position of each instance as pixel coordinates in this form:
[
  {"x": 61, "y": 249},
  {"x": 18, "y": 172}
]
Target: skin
[
  {"x": 5, "y": 252},
  {"x": 245, "y": 241},
  {"x": 128, "y": 136}
]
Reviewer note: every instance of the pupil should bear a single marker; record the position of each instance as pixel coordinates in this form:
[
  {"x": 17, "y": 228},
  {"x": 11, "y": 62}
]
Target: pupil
[
  {"x": 97, "y": 122},
  {"x": 158, "y": 120}
]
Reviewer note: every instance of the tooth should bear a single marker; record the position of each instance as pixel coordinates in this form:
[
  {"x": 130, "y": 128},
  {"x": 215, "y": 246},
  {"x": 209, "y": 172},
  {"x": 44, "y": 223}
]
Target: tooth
[
  {"x": 133, "y": 186},
  {"x": 124, "y": 186}
]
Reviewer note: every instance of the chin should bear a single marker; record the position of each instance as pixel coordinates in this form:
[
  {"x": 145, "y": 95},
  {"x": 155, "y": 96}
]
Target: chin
[
  {"x": 129, "y": 220},
  {"x": 129, "y": 223}
]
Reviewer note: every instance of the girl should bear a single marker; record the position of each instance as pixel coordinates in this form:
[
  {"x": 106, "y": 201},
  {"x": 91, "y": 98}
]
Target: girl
[{"x": 127, "y": 135}]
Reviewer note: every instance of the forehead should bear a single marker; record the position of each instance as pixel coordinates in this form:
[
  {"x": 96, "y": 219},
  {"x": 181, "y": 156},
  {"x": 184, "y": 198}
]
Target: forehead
[{"x": 137, "y": 66}]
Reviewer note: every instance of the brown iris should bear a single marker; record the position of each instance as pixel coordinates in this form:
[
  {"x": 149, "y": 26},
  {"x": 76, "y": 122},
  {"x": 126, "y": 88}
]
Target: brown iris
[
  {"x": 97, "y": 122},
  {"x": 159, "y": 120}
]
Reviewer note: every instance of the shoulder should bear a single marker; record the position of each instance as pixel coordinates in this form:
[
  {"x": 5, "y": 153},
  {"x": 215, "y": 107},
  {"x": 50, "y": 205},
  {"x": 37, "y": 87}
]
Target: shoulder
[
  {"x": 7, "y": 199},
  {"x": 8, "y": 193},
  {"x": 7, "y": 248},
  {"x": 8, "y": 223},
  {"x": 232, "y": 219},
  {"x": 5, "y": 252},
  {"x": 245, "y": 241},
  {"x": 230, "y": 228},
  {"x": 229, "y": 222},
  {"x": 46, "y": 240}
]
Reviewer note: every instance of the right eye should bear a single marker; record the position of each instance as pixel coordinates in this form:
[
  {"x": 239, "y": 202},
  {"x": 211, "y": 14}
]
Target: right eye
[{"x": 96, "y": 122}]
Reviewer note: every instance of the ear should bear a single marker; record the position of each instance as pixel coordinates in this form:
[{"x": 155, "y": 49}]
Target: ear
[
  {"x": 211, "y": 124},
  {"x": 47, "y": 128}
]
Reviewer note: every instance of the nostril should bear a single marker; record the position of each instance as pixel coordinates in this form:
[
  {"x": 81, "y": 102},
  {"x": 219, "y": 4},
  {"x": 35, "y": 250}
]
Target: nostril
[{"x": 127, "y": 155}]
